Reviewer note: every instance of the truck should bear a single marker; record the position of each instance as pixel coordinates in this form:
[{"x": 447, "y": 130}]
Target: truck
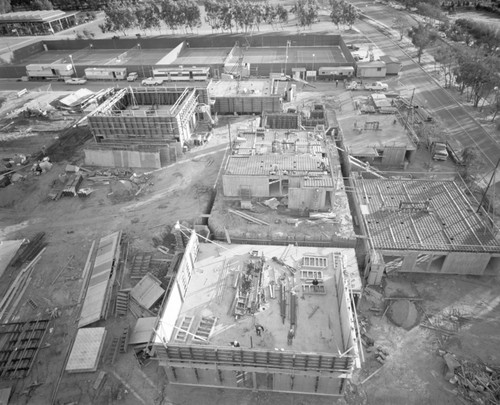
[
  {"x": 439, "y": 150},
  {"x": 377, "y": 86},
  {"x": 152, "y": 81}
]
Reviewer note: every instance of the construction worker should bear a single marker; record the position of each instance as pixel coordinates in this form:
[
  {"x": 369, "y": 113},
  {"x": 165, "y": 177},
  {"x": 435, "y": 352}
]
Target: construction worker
[
  {"x": 291, "y": 335},
  {"x": 336, "y": 83},
  {"x": 259, "y": 329}
]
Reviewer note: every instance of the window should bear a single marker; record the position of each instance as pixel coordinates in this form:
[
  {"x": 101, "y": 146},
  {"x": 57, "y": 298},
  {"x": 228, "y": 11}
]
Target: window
[
  {"x": 314, "y": 261},
  {"x": 379, "y": 69}
]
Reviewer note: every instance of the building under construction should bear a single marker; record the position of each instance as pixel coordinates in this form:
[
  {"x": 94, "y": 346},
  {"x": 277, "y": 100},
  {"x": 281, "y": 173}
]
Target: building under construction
[
  {"x": 271, "y": 318},
  {"x": 155, "y": 120},
  {"x": 283, "y": 162},
  {"x": 424, "y": 226}
]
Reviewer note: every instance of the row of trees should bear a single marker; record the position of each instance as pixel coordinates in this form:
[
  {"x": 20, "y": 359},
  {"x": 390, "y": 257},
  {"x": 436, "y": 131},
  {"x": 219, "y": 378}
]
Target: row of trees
[
  {"x": 121, "y": 16},
  {"x": 244, "y": 15},
  {"x": 221, "y": 15},
  {"x": 6, "y": 7}
]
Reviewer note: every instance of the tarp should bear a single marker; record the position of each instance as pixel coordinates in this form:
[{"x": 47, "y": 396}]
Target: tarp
[{"x": 76, "y": 98}]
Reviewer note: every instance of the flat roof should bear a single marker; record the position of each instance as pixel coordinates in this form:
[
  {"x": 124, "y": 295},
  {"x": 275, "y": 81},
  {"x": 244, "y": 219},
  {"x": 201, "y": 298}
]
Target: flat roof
[
  {"x": 297, "y": 55},
  {"x": 100, "y": 57},
  {"x": 363, "y": 140},
  {"x": 422, "y": 215},
  {"x": 34, "y": 16},
  {"x": 290, "y": 141},
  {"x": 245, "y": 88},
  {"x": 209, "y": 307},
  {"x": 265, "y": 165},
  {"x": 199, "y": 57}
]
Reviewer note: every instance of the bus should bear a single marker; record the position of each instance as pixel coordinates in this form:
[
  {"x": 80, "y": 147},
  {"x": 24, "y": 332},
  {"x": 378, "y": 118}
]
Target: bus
[{"x": 181, "y": 74}]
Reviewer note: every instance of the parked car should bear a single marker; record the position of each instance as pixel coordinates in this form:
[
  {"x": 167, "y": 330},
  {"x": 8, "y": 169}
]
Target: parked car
[
  {"x": 75, "y": 80},
  {"x": 132, "y": 77},
  {"x": 152, "y": 81},
  {"x": 377, "y": 86},
  {"x": 439, "y": 151}
]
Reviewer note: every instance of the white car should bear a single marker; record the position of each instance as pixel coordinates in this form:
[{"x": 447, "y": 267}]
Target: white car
[
  {"x": 152, "y": 81},
  {"x": 377, "y": 86},
  {"x": 75, "y": 80},
  {"x": 132, "y": 77}
]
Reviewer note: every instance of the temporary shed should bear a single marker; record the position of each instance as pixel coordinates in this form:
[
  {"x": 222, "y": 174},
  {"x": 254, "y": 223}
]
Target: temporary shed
[
  {"x": 143, "y": 331},
  {"x": 393, "y": 64},
  {"x": 374, "y": 68}
]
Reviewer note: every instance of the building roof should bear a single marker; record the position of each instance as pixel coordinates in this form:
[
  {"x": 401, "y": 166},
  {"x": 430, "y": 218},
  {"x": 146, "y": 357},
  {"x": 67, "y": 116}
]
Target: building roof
[
  {"x": 362, "y": 140},
  {"x": 211, "y": 304},
  {"x": 97, "y": 295},
  {"x": 373, "y": 63},
  {"x": 422, "y": 215},
  {"x": 245, "y": 88},
  {"x": 389, "y": 59},
  {"x": 34, "y": 16},
  {"x": 265, "y": 165}
]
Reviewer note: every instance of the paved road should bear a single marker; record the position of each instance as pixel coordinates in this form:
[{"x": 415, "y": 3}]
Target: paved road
[{"x": 458, "y": 123}]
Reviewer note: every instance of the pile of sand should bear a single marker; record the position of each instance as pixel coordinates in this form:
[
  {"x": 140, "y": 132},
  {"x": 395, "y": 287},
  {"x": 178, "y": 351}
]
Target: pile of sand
[{"x": 404, "y": 313}]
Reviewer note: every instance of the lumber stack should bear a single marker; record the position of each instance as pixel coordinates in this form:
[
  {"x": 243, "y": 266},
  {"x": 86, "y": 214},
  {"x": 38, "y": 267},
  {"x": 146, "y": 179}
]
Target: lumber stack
[{"x": 15, "y": 292}]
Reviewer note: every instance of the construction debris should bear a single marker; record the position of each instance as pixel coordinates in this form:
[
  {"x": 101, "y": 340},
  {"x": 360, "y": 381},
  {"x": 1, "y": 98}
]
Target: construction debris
[
  {"x": 248, "y": 217},
  {"x": 476, "y": 382}
]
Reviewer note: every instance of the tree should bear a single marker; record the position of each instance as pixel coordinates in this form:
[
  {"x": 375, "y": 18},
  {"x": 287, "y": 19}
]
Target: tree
[
  {"x": 282, "y": 14},
  {"x": 306, "y": 12},
  {"x": 350, "y": 14},
  {"x": 421, "y": 36},
  {"x": 401, "y": 24},
  {"x": 5, "y": 6},
  {"x": 336, "y": 13},
  {"x": 446, "y": 56},
  {"x": 496, "y": 103},
  {"x": 192, "y": 15},
  {"x": 471, "y": 163},
  {"x": 41, "y": 5},
  {"x": 430, "y": 12}
]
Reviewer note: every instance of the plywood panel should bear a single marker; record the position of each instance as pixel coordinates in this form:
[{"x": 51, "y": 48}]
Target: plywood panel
[
  {"x": 208, "y": 377},
  {"x": 329, "y": 385},
  {"x": 186, "y": 375},
  {"x": 465, "y": 263},
  {"x": 122, "y": 158}
]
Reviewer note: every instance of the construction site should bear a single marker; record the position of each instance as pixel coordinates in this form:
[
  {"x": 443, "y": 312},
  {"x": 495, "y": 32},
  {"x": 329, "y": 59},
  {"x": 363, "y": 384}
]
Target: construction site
[{"x": 232, "y": 237}]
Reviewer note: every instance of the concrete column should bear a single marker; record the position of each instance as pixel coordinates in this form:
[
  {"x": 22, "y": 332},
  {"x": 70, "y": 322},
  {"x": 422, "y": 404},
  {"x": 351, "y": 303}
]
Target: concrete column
[{"x": 377, "y": 268}]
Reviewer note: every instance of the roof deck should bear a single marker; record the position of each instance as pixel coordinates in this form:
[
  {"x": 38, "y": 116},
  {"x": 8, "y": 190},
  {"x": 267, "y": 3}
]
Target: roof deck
[
  {"x": 364, "y": 134},
  {"x": 297, "y": 55},
  {"x": 245, "y": 88},
  {"x": 230, "y": 293},
  {"x": 422, "y": 215}
]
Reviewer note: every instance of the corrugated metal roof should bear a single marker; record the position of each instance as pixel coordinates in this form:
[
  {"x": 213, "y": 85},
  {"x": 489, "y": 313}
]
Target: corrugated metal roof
[
  {"x": 269, "y": 164},
  {"x": 97, "y": 291},
  {"x": 147, "y": 291},
  {"x": 320, "y": 181}
]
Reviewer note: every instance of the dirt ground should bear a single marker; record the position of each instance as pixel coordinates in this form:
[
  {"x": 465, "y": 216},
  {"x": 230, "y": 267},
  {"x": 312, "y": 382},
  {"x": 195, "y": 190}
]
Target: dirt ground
[{"x": 413, "y": 371}]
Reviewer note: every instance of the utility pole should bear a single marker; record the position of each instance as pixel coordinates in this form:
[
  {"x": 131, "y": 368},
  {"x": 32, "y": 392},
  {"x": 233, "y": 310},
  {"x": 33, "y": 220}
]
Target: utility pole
[
  {"x": 410, "y": 108},
  {"x": 488, "y": 186}
]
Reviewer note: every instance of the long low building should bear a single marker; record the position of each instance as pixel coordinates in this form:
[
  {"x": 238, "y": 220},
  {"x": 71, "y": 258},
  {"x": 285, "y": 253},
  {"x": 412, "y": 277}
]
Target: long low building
[{"x": 44, "y": 22}]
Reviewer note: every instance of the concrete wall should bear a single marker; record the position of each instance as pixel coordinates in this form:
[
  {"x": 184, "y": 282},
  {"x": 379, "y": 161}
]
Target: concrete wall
[
  {"x": 260, "y": 381},
  {"x": 122, "y": 158},
  {"x": 311, "y": 198},
  {"x": 232, "y": 184}
]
